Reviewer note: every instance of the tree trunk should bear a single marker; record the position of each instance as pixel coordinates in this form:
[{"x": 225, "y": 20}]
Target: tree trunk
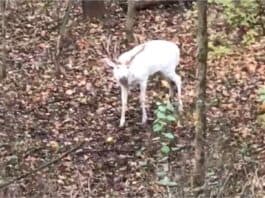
[
  {"x": 149, "y": 4},
  {"x": 200, "y": 116},
  {"x": 131, "y": 12},
  {"x": 62, "y": 31},
  {"x": 93, "y": 8},
  {"x": 3, "y": 55}
]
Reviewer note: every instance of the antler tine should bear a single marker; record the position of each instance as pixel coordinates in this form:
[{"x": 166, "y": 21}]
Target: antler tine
[
  {"x": 131, "y": 59},
  {"x": 115, "y": 54},
  {"x": 108, "y": 43},
  {"x": 106, "y": 46},
  {"x": 115, "y": 51}
]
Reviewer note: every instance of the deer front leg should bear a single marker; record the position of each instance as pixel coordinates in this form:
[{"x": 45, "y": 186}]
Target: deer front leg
[
  {"x": 124, "y": 98},
  {"x": 142, "y": 101},
  {"x": 177, "y": 80},
  {"x": 178, "y": 83}
]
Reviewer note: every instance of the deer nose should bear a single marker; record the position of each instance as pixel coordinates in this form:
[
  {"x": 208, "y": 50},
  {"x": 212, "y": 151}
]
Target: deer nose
[{"x": 124, "y": 81}]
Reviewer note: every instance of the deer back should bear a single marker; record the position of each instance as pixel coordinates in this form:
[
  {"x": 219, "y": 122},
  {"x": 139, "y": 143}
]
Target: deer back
[{"x": 156, "y": 55}]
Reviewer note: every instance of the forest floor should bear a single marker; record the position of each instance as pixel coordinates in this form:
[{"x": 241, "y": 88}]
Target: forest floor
[{"x": 43, "y": 115}]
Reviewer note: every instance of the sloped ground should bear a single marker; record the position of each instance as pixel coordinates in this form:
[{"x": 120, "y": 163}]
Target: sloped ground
[{"x": 43, "y": 116}]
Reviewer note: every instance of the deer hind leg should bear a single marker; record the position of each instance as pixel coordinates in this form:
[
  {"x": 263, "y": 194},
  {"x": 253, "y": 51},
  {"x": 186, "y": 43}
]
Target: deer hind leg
[
  {"x": 124, "y": 99},
  {"x": 176, "y": 79},
  {"x": 171, "y": 89},
  {"x": 143, "y": 86}
]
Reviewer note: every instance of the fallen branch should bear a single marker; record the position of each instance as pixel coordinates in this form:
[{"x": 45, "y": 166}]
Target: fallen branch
[
  {"x": 3, "y": 185},
  {"x": 222, "y": 189}
]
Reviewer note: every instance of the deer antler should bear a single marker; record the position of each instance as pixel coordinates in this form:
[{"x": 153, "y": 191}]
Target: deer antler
[
  {"x": 116, "y": 52},
  {"x": 131, "y": 59},
  {"x": 106, "y": 48}
]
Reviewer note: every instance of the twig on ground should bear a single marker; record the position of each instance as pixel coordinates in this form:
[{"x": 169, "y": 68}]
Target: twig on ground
[
  {"x": 221, "y": 190},
  {"x": 42, "y": 166}
]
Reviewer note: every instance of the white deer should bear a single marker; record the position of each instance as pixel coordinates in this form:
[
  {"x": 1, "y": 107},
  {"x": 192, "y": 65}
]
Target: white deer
[{"x": 136, "y": 65}]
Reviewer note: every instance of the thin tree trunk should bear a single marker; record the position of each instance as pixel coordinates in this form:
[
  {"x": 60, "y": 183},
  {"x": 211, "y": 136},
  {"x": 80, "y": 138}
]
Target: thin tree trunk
[
  {"x": 62, "y": 31},
  {"x": 93, "y": 8},
  {"x": 131, "y": 12},
  {"x": 3, "y": 65},
  {"x": 200, "y": 115}
]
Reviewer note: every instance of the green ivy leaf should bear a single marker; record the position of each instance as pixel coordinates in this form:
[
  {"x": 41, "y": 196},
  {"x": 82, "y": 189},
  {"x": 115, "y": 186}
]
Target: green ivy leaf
[
  {"x": 169, "y": 135},
  {"x": 165, "y": 149},
  {"x": 161, "y": 115},
  {"x": 262, "y": 98},
  {"x": 158, "y": 127},
  {"x": 170, "y": 107},
  {"x": 162, "y": 108},
  {"x": 166, "y": 182},
  {"x": 171, "y": 118},
  {"x": 261, "y": 91},
  {"x": 156, "y": 121}
]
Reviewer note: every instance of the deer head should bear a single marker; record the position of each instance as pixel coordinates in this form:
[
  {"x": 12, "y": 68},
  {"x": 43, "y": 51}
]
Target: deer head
[{"x": 120, "y": 69}]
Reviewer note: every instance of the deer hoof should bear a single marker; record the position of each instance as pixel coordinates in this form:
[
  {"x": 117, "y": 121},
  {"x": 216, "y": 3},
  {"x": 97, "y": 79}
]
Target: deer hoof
[
  {"x": 180, "y": 107},
  {"x": 144, "y": 120},
  {"x": 122, "y": 123}
]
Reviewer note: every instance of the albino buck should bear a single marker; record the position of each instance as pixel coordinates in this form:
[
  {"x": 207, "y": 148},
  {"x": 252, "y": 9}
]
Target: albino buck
[{"x": 136, "y": 65}]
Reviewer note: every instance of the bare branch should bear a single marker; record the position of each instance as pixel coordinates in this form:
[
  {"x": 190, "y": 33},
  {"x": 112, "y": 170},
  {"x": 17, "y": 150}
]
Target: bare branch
[{"x": 3, "y": 185}]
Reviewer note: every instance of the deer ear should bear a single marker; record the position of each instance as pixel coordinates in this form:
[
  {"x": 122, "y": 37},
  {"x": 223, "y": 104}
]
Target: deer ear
[{"x": 108, "y": 62}]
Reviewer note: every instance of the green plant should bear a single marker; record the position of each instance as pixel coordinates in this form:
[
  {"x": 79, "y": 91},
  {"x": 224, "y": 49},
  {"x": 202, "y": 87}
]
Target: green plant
[
  {"x": 261, "y": 94},
  {"x": 261, "y": 97},
  {"x": 243, "y": 15},
  {"x": 250, "y": 37},
  {"x": 218, "y": 51},
  {"x": 165, "y": 116},
  {"x": 245, "y": 149}
]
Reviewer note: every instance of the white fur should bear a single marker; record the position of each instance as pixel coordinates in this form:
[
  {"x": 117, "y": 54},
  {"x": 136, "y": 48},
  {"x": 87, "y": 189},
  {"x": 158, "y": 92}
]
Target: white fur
[{"x": 153, "y": 56}]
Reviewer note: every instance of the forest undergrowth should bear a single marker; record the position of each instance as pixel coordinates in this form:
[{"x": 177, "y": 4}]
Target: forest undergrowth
[{"x": 43, "y": 115}]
